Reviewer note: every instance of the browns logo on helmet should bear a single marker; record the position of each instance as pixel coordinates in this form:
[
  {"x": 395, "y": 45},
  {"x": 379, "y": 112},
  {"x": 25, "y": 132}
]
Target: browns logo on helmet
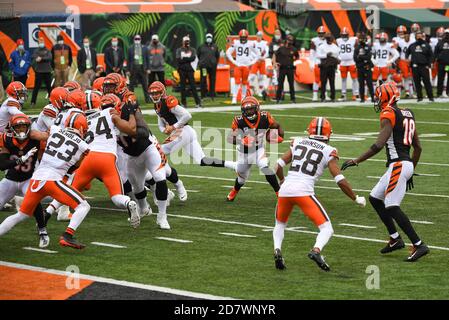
[
  {"x": 58, "y": 97},
  {"x": 18, "y": 91},
  {"x": 156, "y": 90},
  {"x": 250, "y": 108},
  {"x": 72, "y": 86},
  {"x": 319, "y": 129},
  {"x": 386, "y": 95},
  {"x": 20, "y": 126}
]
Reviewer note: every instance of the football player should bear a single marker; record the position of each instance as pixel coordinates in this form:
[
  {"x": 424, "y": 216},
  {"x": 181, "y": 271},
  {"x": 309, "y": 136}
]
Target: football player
[
  {"x": 398, "y": 134},
  {"x": 72, "y": 86},
  {"x": 315, "y": 43},
  {"x": 97, "y": 85},
  {"x": 100, "y": 163},
  {"x": 64, "y": 153},
  {"x": 48, "y": 115},
  {"x": 308, "y": 157},
  {"x": 347, "y": 64},
  {"x": 19, "y": 156},
  {"x": 404, "y": 64},
  {"x": 258, "y": 69},
  {"x": 384, "y": 55},
  {"x": 245, "y": 56},
  {"x": 413, "y": 29},
  {"x": 248, "y": 132},
  {"x": 17, "y": 95}
]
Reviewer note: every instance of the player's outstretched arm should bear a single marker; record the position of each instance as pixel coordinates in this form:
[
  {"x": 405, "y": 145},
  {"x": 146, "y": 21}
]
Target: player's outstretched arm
[
  {"x": 282, "y": 162},
  {"x": 417, "y": 149},
  {"x": 39, "y": 135},
  {"x": 385, "y": 132},
  {"x": 127, "y": 127},
  {"x": 343, "y": 184},
  {"x": 276, "y": 125}
]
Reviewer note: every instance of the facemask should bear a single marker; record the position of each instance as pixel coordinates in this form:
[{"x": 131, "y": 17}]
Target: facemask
[
  {"x": 41, "y": 45},
  {"x": 86, "y": 44},
  {"x": 209, "y": 40},
  {"x": 22, "y": 136},
  {"x": 114, "y": 43},
  {"x": 61, "y": 42},
  {"x": 277, "y": 37},
  {"x": 20, "y": 47}
]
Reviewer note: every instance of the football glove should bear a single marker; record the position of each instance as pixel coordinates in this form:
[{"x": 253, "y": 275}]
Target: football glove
[
  {"x": 410, "y": 184},
  {"x": 348, "y": 163},
  {"x": 361, "y": 201},
  {"x": 25, "y": 157},
  {"x": 248, "y": 141}
]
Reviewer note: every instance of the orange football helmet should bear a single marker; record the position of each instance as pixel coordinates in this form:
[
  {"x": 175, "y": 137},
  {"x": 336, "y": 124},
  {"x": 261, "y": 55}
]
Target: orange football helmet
[
  {"x": 386, "y": 95},
  {"x": 58, "y": 97},
  {"x": 77, "y": 99},
  {"x": 20, "y": 126},
  {"x": 77, "y": 123},
  {"x": 18, "y": 91},
  {"x": 97, "y": 85},
  {"x": 72, "y": 86},
  {"x": 93, "y": 101},
  {"x": 156, "y": 90},
  {"x": 415, "y": 27},
  {"x": 344, "y": 33},
  {"x": 397, "y": 78},
  {"x": 319, "y": 129},
  {"x": 321, "y": 30},
  {"x": 111, "y": 101},
  {"x": 113, "y": 83},
  {"x": 250, "y": 108},
  {"x": 383, "y": 37},
  {"x": 401, "y": 29},
  {"x": 243, "y": 34}
]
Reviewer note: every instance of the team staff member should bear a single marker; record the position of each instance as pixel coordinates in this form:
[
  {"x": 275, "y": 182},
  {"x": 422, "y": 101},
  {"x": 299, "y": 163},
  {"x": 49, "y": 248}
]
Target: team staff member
[
  {"x": 442, "y": 59},
  {"x": 185, "y": 56},
  {"x": 208, "y": 56},
  {"x": 42, "y": 68},
  {"x": 420, "y": 55},
  {"x": 61, "y": 61},
  {"x": 328, "y": 54},
  {"x": 362, "y": 58},
  {"x": 284, "y": 59}
]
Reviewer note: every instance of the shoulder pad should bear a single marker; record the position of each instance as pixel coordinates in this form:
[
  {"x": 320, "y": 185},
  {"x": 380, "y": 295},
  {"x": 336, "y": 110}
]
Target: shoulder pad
[
  {"x": 13, "y": 103},
  {"x": 171, "y": 101}
]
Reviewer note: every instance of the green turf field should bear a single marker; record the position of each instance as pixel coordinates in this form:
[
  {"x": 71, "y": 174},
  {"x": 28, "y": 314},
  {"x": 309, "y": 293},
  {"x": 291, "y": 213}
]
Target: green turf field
[{"x": 243, "y": 267}]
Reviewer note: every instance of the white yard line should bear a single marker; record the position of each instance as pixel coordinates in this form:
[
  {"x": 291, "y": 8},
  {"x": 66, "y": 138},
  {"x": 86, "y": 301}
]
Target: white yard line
[
  {"x": 233, "y": 186},
  {"x": 421, "y": 222},
  {"x": 39, "y": 250},
  {"x": 237, "y": 235},
  {"x": 174, "y": 240},
  {"x": 116, "y": 282},
  {"x": 109, "y": 245},
  {"x": 356, "y": 226}
]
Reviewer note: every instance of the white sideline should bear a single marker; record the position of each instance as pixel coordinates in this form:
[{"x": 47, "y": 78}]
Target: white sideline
[{"x": 117, "y": 282}]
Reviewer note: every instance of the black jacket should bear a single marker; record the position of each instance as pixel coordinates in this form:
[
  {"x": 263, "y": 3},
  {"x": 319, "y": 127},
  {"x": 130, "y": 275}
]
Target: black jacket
[
  {"x": 362, "y": 56},
  {"x": 420, "y": 53},
  {"x": 442, "y": 52},
  {"x": 109, "y": 58},
  {"x": 131, "y": 57},
  {"x": 208, "y": 55},
  {"x": 81, "y": 59},
  {"x": 43, "y": 66},
  {"x": 184, "y": 63}
]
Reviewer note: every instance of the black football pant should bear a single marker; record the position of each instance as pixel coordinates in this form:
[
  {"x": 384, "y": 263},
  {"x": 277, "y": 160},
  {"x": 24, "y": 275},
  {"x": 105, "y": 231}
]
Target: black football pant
[
  {"x": 160, "y": 77},
  {"x": 184, "y": 77},
  {"x": 441, "y": 75},
  {"x": 421, "y": 73},
  {"x": 327, "y": 73},
  {"x": 365, "y": 76},
  {"x": 212, "y": 72},
  {"x": 289, "y": 73},
  {"x": 138, "y": 75}
]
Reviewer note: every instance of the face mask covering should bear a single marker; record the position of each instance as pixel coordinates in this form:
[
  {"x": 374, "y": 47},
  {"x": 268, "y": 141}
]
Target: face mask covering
[
  {"x": 61, "y": 42},
  {"x": 277, "y": 37},
  {"x": 114, "y": 43},
  {"x": 209, "y": 40},
  {"x": 21, "y": 47},
  {"x": 86, "y": 44},
  {"x": 41, "y": 45},
  {"x": 137, "y": 41}
]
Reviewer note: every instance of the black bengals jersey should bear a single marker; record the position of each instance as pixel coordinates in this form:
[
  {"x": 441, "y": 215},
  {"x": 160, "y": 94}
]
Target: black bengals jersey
[
  {"x": 256, "y": 129},
  {"x": 16, "y": 149},
  {"x": 399, "y": 143},
  {"x": 131, "y": 145},
  {"x": 163, "y": 107}
]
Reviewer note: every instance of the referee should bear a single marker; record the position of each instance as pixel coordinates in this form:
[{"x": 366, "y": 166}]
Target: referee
[
  {"x": 284, "y": 59},
  {"x": 420, "y": 55}
]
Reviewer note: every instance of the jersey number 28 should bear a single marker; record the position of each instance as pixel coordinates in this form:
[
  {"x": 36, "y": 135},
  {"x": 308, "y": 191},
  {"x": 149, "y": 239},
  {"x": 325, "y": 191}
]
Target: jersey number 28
[{"x": 313, "y": 158}]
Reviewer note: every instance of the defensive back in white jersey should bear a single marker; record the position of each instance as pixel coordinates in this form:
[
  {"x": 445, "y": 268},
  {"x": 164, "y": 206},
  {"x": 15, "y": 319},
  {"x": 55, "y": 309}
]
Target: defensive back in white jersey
[
  {"x": 64, "y": 115},
  {"x": 309, "y": 159},
  {"x": 64, "y": 149},
  {"x": 9, "y": 108},
  {"x": 102, "y": 134}
]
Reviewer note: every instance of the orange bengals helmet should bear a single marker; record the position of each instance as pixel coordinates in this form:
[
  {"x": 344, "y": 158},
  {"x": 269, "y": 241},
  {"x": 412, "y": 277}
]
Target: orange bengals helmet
[
  {"x": 110, "y": 101},
  {"x": 76, "y": 99},
  {"x": 319, "y": 129},
  {"x": 58, "y": 97},
  {"x": 250, "y": 108},
  {"x": 386, "y": 95},
  {"x": 156, "y": 90},
  {"x": 113, "y": 83},
  {"x": 93, "y": 101},
  {"x": 97, "y": 85},
  {"x": 77, "y": 123},
  {"x": 72, "y": 86},
  {"x": 18, "y": 91},
  {"x": 397, "y": 78},
  {"x": 16, "y": 123}
]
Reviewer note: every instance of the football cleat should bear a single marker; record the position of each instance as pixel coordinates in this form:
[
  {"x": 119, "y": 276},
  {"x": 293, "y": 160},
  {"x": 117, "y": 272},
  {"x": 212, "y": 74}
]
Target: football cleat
[
  {"x": 279, "y": 261},
  {"x": 134, "y": 217},
  {"x": 231, "y": 196},
  {"x": 234, "y": 100},
  {"x": 316, "y": 256},
  {"x": 44, "y": 240},
  {"x": 393, "y": 244},
  {"x": 63, "y": 214},
  {"x": 145, "y": 212},
  {"x": 182, "y": 192},
  {"x": 418, "y": 252},
  {"x": 67, "y": 240},
  {"x": 162, "y": 222}
]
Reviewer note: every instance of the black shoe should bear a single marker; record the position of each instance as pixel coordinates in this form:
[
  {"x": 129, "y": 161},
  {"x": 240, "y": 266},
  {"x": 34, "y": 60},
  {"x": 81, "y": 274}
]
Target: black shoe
[
  {"x": 323, "y": 100},
  {"x": 278, "y": 260},
  {"x": 293, "y": 101},
  {"x": 393, "y": 244},
  {"x": 67, "y": 240},
  {"x": 264, "y": 95},
  {"x": 418, "y": 252},
  {"x": 315, "y": 256},
  {"x": 431, "y": 99}
]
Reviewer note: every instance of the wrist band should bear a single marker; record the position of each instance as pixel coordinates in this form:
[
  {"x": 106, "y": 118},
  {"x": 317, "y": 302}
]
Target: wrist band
[
  {"x": 281, "y": 163},
  {"x": 338, "y": 178}
]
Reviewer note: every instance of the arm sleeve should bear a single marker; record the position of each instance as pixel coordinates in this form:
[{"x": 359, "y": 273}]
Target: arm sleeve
[
  {"x": 182, "y": 115},
  {"x": 160, "y": 124},
  {"x": 395, "y": 55}
]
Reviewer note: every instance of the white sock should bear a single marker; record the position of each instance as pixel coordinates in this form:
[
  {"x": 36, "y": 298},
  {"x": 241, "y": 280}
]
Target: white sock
[
  {"x": 11, "y": 221},
  {"x": 326, "y": 232},
  {"x": 120, "y": 201},
  {"x": 53, "y": 206},
  {"x": 235, "y": 90},
  {"x": 230, "y": 164},
  {"x": 278, "y": 234},
  {"x": 315, "y": 87},
  {"x": 244, "y": 88},
  {"x": 394, "y": 235},
  {"x": 162, "y": 207},
  {"x": 411, "y": 86},
  {"x": 355, "y": 87},
  {"x": 344, "y": 82},
  {"x": 78, "y": 216}
]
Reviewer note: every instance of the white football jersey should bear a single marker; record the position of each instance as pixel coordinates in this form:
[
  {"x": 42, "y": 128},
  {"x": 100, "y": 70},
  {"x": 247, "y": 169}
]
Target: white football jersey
[
  {"x": 309, "y": 159},
  {"x": 64, "y": 114},
  {"x": 346, "y": 50},
  {"x": 317, "y": 42},
  {"x": 382, "y": 53},
  {"x": 433, "y": 43},
  {"x": 64, "y": 149},
  {"x": 46, "y": 118},
  {"x": 8, "y": 109},
  {"x": 102, "y": 134},
  {"x": 261, "y": 49},
  {"x": 245, "y": 53},
  {"x": 403, "y": 46}
]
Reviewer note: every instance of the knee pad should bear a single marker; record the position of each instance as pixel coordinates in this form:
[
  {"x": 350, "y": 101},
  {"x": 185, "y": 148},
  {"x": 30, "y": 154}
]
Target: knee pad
[
  {"x": 173, "y": 177},
  {"x": 161, "y": 190},
  {"x": 127, "y": 188},
  {"x": 141, "y": 195}
]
